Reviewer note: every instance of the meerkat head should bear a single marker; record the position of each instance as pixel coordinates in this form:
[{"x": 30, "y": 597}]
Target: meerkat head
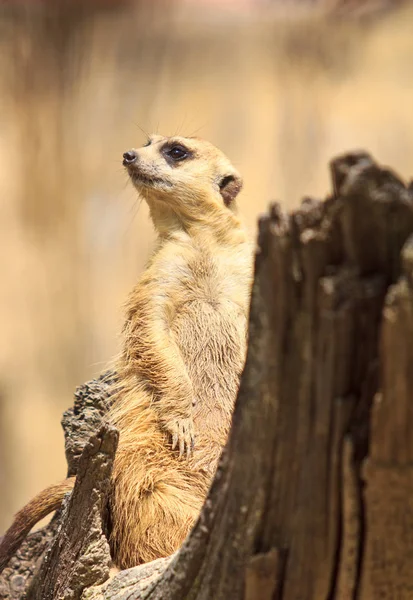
[{"x": 185, "y": 175}]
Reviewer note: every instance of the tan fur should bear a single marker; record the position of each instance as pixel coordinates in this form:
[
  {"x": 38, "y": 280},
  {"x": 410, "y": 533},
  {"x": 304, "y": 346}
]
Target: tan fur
[
  {"x": 183, "y": 350},
  {"x": 44, "y": 503}
]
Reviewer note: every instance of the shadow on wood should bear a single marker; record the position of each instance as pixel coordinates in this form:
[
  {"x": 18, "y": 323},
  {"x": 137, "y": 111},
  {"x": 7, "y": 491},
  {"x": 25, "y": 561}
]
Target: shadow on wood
[{"x": 312, "y": 498}]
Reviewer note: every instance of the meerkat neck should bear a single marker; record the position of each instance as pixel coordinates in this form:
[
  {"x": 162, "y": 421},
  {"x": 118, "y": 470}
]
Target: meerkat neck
[
  {"x": 165, "y": 220},
  {"x": 198, "y": 220}
]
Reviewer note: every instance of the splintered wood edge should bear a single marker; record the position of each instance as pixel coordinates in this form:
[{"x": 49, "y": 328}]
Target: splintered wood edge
[{"x": 138, "y": 582}]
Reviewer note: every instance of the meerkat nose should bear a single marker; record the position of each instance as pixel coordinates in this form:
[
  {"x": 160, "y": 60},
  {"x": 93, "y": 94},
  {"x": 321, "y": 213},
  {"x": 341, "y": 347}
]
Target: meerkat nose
[{"x": 129, "y": 157}]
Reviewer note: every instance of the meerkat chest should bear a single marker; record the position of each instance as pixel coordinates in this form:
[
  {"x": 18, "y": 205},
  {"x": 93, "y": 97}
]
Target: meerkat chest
[
  {"x": 209, "y": 323},
  {"x": 215, "y": 285}
]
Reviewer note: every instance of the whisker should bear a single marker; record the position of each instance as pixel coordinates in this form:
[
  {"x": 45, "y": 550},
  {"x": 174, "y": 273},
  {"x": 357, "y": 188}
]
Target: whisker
[
  {"x": 182, "y": 128},
  {"x": 198, "y": 130},
  {"x": 135, "y": 208},
  {"x": 118, "y": 194},
  {"x": 145, "y": 133}
]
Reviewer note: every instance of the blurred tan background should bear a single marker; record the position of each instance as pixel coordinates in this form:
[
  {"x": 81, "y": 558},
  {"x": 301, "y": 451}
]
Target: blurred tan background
[{"x": 281, "y": 86}]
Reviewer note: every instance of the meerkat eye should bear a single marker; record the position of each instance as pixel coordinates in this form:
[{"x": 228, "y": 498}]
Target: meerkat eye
[{"x": 177, "y": 152}]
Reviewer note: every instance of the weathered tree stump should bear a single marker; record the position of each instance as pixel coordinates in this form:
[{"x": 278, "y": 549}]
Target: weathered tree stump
[{"x": 313, "y": 495}]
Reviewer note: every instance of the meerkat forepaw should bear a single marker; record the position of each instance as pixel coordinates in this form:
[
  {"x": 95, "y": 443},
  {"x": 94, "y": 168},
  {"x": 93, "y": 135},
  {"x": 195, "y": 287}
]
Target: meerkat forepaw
[{"x": 183, "y": 435}]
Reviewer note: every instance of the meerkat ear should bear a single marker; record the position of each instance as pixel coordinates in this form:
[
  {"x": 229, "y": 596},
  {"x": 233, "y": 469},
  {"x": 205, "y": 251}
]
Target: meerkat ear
[{"x": 229, "y": 188}]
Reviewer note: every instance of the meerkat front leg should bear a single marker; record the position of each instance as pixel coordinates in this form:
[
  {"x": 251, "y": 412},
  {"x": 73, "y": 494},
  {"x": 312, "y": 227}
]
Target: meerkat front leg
[
  {"x": 174, "y": 392},
  {"x": 151, "y": 350}
]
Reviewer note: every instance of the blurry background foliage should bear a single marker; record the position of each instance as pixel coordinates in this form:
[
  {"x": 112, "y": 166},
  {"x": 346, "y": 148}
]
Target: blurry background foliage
[{"x": 281, "y": 86}]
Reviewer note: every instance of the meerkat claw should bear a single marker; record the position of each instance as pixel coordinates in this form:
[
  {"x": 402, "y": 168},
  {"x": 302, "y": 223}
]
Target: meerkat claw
[
  {"x": 174, "y": 441},
  {"x": 183, "y": 436}
]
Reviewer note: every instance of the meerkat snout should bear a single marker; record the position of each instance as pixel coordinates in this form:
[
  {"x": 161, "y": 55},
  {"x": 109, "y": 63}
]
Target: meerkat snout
[{"x": 129, "y": 157}]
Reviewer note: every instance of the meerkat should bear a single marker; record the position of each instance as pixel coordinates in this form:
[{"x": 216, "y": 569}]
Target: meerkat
[{"x": 184, "y": 346}]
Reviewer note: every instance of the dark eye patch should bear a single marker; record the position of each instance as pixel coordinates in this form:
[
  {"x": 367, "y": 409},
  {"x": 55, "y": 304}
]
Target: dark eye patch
[{"x": 175, "y": 153}]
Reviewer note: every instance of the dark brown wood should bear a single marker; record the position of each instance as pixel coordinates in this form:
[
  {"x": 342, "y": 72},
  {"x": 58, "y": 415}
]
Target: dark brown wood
[
  {"x": 313, "y": 495},
  {"x": 263, "y": 574},
  {"x": 388, "y": 473}
]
